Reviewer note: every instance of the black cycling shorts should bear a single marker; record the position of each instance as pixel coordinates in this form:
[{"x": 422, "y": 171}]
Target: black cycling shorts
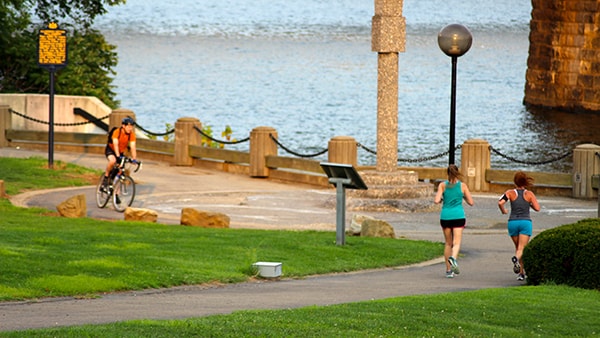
[
  {"x": 453, "y": 223},
  {"x": 109, "y": 151}
]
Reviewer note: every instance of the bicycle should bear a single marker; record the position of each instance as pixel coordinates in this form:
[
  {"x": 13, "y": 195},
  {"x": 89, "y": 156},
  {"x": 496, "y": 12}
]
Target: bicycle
[{"x": 121, "y": 188}]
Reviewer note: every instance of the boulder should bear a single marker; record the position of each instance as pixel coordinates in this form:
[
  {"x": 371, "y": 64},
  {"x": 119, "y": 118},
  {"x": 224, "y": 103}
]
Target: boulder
[
  {"x": 377, "y": 228},
  {"x": 140, "y": 214},
  {"x": 74, "y": 207},
  {"x": 204, "y": 219},
  {"x": 356, "y": 224}
]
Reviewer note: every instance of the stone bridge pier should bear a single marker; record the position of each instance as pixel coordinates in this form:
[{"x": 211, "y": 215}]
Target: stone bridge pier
[{"x": 563, "y": 68}]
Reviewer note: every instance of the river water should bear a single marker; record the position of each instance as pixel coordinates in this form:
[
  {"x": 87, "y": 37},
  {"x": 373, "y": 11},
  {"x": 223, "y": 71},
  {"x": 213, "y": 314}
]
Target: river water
[{"x": 306, "y": 69}]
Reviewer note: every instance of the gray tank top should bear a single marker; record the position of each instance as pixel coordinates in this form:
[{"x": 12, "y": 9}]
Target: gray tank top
[{"x": 519, "y": 208}]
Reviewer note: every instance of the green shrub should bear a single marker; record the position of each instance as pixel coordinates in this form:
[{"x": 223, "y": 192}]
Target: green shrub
[{"x": 569, "y": 254}]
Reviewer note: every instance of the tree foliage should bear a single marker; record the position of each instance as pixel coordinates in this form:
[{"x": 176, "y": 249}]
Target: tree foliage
[{"x": 91, "y": 59}]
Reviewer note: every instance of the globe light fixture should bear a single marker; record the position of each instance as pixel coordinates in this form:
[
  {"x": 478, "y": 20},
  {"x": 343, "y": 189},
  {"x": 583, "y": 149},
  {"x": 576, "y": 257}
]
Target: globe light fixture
[{"x": 454, "y": 40}]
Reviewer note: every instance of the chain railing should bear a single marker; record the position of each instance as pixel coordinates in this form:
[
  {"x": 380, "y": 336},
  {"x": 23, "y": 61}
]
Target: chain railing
[
  {"x": 428, "y": 158},
  {"x": 319, "y": 153},
  {"x": 168, "y": 132},
  {"x": 360, "y": 145},
  {"x": 412, "y": 160},
  {"x": 73, "y": 124},
  {"x": 556, "y": 159},
  {"x": 295, "y": 153}
]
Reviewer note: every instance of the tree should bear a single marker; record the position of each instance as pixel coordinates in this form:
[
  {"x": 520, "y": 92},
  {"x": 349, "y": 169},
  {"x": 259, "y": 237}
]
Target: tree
[{"x": 91, "y": 59}]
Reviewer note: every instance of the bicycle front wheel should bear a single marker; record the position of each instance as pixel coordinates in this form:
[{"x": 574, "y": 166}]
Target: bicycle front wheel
[
  {"x": 102, "y": 193},
  {"x": 123, "y": 193}
]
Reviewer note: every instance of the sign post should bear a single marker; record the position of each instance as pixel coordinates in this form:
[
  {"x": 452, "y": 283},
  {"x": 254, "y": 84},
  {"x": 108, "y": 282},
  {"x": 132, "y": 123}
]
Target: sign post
[
  {"x": 342, "y": 176},
  {"x": 52, "y": 55}
]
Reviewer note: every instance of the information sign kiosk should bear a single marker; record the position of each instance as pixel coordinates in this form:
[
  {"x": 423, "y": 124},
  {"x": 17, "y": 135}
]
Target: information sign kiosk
[
  {"x": 52, "y": 55},
  {"x": 342, "y": 176}
]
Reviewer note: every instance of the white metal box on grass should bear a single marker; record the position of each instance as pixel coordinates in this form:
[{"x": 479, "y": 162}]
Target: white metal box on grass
[{"x": 268, "y": 269}]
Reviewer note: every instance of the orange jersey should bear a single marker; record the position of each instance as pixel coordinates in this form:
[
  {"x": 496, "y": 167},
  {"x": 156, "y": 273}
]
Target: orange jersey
[{"x": 123, "y": 137}]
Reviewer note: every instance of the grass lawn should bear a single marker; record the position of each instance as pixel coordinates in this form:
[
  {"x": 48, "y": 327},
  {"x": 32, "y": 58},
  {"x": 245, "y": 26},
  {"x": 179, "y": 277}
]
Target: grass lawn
[
  {"x": 525, "y": 311},
  {"x": 46, "y": 256}
]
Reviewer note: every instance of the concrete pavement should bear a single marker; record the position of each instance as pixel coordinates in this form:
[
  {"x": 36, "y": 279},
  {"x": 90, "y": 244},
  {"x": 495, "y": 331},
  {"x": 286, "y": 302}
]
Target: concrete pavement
[{"x": 264, "y": 204}]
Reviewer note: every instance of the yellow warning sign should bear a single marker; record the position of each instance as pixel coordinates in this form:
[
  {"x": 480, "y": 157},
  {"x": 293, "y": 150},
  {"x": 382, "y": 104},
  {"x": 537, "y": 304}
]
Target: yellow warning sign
[{"x": 52, "y": 49}]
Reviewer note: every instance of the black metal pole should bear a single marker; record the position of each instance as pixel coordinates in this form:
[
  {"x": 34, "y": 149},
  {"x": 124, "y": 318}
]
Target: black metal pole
[
  {"x": 51, "y": 123},
  {"x": 452, "y": 112}
]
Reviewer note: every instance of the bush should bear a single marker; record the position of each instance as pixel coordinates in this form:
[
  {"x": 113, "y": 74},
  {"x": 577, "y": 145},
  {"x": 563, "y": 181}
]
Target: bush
[{"x": 569, "y": 254}]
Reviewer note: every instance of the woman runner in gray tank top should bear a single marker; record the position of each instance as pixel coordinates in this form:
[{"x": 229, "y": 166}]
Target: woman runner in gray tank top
[{"x": 520, "y": 226}]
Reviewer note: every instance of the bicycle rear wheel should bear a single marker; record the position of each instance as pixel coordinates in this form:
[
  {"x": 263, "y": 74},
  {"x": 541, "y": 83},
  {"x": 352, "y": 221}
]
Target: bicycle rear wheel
[
  {"x": 124, "y": 193},
  {"x": 102, "y": 193}
]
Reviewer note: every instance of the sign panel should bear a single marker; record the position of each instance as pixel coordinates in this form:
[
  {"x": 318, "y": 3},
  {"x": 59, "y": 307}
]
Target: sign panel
[
  {"x": 52, "y": 48},
  {"x": 344, "y": 171}
]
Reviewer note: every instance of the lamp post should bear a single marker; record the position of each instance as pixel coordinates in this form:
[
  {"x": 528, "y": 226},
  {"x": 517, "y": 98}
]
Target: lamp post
[{"x": 454, "y": 40}]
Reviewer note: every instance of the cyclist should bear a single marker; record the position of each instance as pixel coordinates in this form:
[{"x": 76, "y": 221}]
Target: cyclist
[{"x": 120, "y": 139}]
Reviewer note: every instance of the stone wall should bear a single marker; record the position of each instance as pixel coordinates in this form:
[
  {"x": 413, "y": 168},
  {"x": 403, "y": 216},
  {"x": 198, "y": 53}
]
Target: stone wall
[
  {"x": 563, "y": 68},
  {"x": 37, "y": 108}
]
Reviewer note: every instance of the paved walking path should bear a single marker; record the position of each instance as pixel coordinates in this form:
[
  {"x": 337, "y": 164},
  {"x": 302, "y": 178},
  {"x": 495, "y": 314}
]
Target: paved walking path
[{"x": 264, "y": 204}]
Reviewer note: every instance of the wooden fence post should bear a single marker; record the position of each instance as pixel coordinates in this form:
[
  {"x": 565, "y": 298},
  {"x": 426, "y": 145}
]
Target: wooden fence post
[
  {"x": 117, "y": 115},
  {"x": 5, "y": 123},
  {"x": 343, "y": 149},
  {"x": 185, "y": 136},
  {"x": 585, "y": 164},
  {"x": 261, "y": 145},
  {"x": 475, "y": 160}
]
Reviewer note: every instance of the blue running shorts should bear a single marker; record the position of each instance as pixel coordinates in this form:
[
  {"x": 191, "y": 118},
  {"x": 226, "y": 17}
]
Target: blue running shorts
[{"x": 518, "y": 227}]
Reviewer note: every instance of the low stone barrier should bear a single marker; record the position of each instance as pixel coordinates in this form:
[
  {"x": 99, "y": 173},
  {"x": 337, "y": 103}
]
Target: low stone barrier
[
  {"x": 74, "y": 207},
  {"x": 204, "y": 219},
  {"x": 140, "y": 214},
  {"x": 367, "y": 226}
]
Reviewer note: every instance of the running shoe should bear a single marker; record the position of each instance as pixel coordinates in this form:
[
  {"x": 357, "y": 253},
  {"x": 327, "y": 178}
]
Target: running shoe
[
  {"x": 521, "y": 277},
  {"x": 449, "y": 274},
  {"x": 516, "y": 265},
  {"x": 454, "y": 265}
]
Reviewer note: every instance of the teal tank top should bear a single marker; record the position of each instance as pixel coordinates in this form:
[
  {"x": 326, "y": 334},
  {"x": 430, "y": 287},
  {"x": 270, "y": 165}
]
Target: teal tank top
[{"x": 452, "y": 207}]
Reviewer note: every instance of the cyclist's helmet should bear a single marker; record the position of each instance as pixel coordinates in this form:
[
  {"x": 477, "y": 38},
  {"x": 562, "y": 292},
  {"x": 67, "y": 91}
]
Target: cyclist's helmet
[{"x": 128, "y": 120}]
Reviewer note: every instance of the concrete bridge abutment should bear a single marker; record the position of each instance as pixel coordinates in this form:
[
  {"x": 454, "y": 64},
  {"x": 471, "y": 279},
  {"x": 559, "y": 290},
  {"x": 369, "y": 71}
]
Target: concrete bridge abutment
[{"x": 563, "y": 68}]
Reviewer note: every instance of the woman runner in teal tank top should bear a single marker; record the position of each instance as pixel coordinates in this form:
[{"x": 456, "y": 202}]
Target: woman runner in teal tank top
[{"x": 452, "y": 192}]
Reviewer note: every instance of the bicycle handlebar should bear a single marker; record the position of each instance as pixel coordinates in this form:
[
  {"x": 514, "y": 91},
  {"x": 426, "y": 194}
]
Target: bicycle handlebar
[{"x": 125, "y": 159}]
